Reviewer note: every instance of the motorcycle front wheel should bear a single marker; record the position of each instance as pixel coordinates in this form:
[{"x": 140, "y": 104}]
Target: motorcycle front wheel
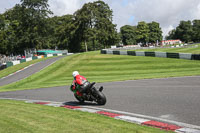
[{"x": 101, "y": 99}]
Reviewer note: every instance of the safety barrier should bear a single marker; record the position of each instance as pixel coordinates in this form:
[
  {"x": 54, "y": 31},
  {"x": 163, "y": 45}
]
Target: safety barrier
[
  {"x": 187, "y": 56},
  {"x": 152, "y": 54}
]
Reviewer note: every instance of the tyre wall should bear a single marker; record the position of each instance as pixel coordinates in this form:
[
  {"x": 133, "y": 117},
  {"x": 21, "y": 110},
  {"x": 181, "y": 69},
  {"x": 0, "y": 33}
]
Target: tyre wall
[{"x": 187, "y": 56}]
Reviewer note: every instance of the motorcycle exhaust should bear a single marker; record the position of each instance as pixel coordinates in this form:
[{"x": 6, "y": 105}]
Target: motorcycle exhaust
[{"x": 101, "y": 88}]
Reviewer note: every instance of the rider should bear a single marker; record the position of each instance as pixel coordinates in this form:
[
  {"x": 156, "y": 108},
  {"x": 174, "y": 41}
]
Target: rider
[{"x": 79, "y": 85}]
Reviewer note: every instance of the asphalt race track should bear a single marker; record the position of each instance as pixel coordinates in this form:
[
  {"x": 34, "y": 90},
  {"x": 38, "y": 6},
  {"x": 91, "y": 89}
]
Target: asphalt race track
[{"x": 176, "y": 99}]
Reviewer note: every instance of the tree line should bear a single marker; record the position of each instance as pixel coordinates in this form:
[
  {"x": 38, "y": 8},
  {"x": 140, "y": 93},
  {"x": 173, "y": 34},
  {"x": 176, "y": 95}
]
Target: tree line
[
  {"x": 186, "y": 31},
  {"x": 143, "y": 33},
  {"x": 31, "y": 24}
]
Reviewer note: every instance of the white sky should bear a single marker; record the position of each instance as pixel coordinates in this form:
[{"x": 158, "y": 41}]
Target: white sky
[{"x": 166, "y": 12}]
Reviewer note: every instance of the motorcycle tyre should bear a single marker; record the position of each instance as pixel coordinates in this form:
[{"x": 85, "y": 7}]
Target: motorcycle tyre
[{"x": 101, "y": 99}]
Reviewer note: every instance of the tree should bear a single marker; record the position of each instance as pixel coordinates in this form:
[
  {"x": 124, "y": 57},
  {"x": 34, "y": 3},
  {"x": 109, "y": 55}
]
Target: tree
[
  {"x": 62, "y": 31},
  {"x": 128, "y": 34},
  {"x": 8, "y": 38},
  {"x": 155, "y": 32},
  {"x": 94, "y": 25},
  {"x": 184, "y": 31},
  {"x": 196, "y": 31},
  {"x": 142, "y": 32},
  {"x": 27, "y": 25},
  {"x": 171, "y": 35},
  {"x": 32, "y": 18}
]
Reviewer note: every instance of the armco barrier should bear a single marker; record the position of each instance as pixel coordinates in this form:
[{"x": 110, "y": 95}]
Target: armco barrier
[
  {"x": 173, "y": 55},
  {"x": 152, "y": 54},
  {"x": 49, "y": 55},
  {"x": 22, "y": 60},
  {"x": 28, "y": 59},
  {"x": 34, "y": 57},
  {"x": 8, "y": 64},
  {"x": 195, "y": 57},
  {"x": 187, "y": 56},
  {"x": 16, "y": 62},
  {"x": 109, "y": 52},
  {"x": 139, "y": 53},
  {"x": 103, "y": 51},
  {"x": 161, "y": 54},
  {"x": 2, "y": 66},
  {"x": 131, "y": 53},
  {"x": 123, "y": 52},
  {"x": 116, "y": 52},
  {"x": 41, "y": 56}
]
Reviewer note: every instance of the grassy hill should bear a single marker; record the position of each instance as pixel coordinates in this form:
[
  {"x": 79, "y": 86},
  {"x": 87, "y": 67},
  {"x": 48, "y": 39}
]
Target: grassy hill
[{"x": 106, "y": 68}]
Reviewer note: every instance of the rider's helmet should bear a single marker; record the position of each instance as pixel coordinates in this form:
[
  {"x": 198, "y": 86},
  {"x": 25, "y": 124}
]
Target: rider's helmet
[{"x": 75, "y": 73}]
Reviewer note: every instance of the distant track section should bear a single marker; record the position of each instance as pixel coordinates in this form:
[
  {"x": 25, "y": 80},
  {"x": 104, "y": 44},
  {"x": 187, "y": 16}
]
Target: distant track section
[{"x": 23, "y": 73}]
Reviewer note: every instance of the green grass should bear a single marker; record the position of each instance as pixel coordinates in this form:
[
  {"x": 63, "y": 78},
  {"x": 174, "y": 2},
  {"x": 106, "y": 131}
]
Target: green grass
[
  {"x": 106, "y": 68},
  {"x": 20, "y": 117},
  {"x": 12, "y": 69},
  {"x": 195, "y": 50}
]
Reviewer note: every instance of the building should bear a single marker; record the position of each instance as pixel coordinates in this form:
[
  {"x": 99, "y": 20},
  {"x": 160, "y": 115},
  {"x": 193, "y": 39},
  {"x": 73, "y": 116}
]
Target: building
[{"x": 170, "y": 42}]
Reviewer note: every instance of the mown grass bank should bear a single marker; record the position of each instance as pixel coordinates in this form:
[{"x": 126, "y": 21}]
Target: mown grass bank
[
  {"x": 192, "y": 49},
  {"x": 20, "y": 117},
  {"x": 106, "y": 68}
]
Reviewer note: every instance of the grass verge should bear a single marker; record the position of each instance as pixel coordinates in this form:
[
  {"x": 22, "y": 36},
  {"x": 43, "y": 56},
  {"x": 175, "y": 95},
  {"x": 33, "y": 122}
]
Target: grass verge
[
  {"x": 106, "y": 68},
  {"x": 193, "y": 50},
  {"x": 20, "y": 117}
]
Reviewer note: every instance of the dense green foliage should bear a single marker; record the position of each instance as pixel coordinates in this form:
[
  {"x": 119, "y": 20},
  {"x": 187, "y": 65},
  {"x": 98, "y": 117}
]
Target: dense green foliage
[
  {"x": 106, "y": 68},
  {"x": 186, "y": 31},
  {"x": 25, "y": 26},
  {"x": 128, "y": 34},
  {"x": 142, "y": 33},
  {"x": 30, "y": 25},
  {"x": 94, "y": 26}
]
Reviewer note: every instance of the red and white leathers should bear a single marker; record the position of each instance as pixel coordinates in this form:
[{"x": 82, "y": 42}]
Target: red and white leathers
[{"x": 77, "y": 84}]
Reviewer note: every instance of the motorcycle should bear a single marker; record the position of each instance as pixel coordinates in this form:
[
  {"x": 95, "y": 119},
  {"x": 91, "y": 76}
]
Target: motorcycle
[{"x": 92, "y": 94}]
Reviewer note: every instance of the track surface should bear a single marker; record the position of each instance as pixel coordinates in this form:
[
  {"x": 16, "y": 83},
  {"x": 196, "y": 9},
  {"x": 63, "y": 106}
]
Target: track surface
[
  {"x": 29, "y": 71},
  {"x": 176, "y": 99}
]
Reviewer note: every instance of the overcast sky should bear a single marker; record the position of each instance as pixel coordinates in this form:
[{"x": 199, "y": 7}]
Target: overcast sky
[{"x": 166, "y": 12}]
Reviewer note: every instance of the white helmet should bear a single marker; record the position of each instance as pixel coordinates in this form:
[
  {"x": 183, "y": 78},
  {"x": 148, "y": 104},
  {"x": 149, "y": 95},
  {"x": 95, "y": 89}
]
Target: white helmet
[{"x": 75, "y": 73}]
